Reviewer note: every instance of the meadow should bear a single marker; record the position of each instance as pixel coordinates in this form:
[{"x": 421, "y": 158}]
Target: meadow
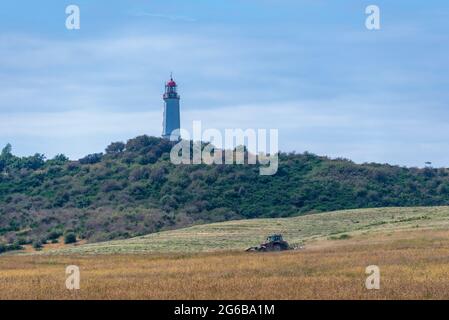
[
  {"x": 241, "y": 234},
  {"x": 410, "y": 246},
  {"x": 413, "y": 265}
]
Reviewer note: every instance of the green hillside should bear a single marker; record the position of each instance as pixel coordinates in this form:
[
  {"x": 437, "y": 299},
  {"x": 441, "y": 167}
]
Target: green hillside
[
  {"x": 238, "y": 235},
  {"x": 133, "y": 189}
]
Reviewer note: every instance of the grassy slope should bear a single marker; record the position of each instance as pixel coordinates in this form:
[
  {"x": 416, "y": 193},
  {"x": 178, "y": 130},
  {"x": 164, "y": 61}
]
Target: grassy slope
[{"x": 237, "y": 235}]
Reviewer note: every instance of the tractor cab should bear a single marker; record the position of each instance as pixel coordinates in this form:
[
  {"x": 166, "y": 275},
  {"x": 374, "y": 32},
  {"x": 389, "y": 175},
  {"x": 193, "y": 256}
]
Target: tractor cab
[{"x": 275, "y": 238}]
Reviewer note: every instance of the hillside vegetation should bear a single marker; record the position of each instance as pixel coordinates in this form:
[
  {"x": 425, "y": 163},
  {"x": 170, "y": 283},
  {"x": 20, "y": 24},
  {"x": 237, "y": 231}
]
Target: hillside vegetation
[
  {"x": 133, "y": 189},
  {"x": 239, "y": 235}
]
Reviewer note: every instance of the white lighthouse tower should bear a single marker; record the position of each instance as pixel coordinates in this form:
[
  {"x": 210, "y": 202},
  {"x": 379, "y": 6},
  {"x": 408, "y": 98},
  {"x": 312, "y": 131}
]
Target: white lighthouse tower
[{"x": 171, "y": 123}]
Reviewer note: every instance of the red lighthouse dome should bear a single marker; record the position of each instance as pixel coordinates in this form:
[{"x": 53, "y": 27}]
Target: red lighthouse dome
[
  {"x": 171, "y": 83},
  {"x": 170, "y": 89}
]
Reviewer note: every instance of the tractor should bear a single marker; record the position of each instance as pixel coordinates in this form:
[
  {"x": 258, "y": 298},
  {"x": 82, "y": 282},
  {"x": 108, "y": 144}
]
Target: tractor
[{"x": 274, "y": 242}]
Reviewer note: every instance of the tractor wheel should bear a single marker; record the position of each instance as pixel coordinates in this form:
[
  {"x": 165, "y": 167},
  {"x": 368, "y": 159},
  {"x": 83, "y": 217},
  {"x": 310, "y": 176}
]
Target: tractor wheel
[{"x": 277, "y": 247}]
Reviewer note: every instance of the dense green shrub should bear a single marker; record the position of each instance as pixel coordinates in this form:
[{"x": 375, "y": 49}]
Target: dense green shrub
[
  {"x": 69, "y": 238},
  {"x": 37, "y": 245},
  {"x": 54, "y": 235},
  {"x": 91, "y": 158}
]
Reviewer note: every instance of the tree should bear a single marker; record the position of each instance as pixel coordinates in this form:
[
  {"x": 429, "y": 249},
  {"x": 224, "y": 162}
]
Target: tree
[
  {"x": 91, "y": 158},
  {"x": 5, "y": 157},
  {"x": 60, "y": 158},
  {"x": 115, "y": 148},
  {"x": 142, "y": 144},
  {"x": 32, "y": 162},
  {"x": 6, "y": 151}
]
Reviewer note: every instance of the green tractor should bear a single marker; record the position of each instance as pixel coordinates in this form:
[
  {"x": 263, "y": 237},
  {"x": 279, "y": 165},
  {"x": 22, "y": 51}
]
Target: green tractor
[{"x": 274, "y": 242}]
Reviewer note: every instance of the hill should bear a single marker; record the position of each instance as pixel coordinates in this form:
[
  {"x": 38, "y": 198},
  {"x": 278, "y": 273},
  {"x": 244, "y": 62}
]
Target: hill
[
  {"x": 133, "y": 189},
  {"x": 241, "y": 234}
]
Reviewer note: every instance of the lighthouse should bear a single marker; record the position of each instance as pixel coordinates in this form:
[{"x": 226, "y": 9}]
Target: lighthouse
[{"x": 171, "y": 122}]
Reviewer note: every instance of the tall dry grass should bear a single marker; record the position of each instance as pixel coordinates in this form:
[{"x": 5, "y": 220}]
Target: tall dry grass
[{"x": 413, "y": 264}]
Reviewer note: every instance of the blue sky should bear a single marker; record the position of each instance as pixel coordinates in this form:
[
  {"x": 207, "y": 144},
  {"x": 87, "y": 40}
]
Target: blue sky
[{"x": 308, "y": 68}]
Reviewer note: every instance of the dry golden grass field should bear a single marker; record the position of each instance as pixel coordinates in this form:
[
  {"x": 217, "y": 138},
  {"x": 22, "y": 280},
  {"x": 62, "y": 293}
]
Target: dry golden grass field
[{"x": 413, "y": 261}]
